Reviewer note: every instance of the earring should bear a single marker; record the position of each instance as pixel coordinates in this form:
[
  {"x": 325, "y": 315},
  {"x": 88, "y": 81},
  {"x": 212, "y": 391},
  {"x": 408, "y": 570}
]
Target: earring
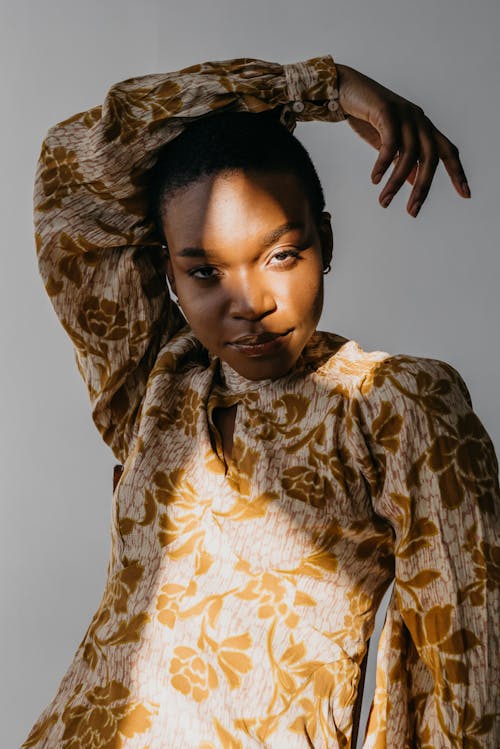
[{"x": 327, "y": 269}]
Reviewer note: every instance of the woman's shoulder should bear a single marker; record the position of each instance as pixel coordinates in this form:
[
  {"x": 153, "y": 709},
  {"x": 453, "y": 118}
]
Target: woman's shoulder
[{"x": 382, "y": 374}]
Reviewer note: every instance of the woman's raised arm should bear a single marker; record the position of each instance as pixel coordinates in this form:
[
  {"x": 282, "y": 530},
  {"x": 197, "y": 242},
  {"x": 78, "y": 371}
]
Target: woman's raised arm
[
  {"x": 97, "y": 247},
  {"x": 97, "y": 250}
]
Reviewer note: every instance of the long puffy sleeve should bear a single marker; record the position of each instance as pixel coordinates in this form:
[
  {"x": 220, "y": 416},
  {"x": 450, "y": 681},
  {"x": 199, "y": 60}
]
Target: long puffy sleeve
[
  {"x": 433, "y": 476},
  {"x": 97, "y": 248}
]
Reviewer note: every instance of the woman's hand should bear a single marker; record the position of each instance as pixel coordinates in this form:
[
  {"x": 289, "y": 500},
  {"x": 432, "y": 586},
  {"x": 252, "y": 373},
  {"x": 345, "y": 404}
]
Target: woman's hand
[{"x": 401, "y": 133}]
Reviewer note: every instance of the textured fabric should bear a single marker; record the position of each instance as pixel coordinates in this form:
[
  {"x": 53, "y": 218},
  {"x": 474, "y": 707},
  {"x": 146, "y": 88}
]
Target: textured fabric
[{"x": 239, "y": 597}]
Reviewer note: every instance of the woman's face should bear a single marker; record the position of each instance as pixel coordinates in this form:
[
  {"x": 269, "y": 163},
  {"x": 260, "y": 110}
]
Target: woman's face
[{"x": 246, "y": 261}]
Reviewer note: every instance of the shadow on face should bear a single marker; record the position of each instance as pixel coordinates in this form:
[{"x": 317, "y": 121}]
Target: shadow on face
[{"x": 246, "y": 260}]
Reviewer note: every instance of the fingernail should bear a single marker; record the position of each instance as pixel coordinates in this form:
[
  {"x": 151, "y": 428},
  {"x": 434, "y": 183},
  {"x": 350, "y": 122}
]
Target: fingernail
[
  {"x": 377, "y": 178},
  {"x": 415, "y": 209},
  {"x": 387, "y": 200},
  {"x": 466, "y": 189}
]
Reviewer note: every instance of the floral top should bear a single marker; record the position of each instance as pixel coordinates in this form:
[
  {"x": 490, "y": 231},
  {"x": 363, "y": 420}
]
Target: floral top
[{"x": 240, "y": 597}]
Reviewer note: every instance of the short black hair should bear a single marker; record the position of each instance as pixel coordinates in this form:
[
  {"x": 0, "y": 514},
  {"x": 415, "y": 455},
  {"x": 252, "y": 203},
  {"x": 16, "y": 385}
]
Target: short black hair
[{"x": 229, "y": 141}]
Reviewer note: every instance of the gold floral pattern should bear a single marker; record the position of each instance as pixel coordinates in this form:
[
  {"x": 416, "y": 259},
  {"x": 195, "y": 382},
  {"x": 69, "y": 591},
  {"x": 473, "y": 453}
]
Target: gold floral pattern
[
  {"x": 107, "y": 718},
  {"x": 238, "y": 602},
  {"x": 60, "y": 175}
]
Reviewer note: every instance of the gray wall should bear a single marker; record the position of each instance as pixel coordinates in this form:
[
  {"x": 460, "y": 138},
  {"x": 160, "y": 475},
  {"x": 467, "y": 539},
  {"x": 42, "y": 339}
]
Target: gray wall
[{"x": 424, "y": 286}]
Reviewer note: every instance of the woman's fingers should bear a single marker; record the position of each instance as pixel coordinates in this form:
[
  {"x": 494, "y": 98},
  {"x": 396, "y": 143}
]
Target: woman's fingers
[
  {"x": 408, "y": 156},
  {"x": 428, "y": 161},
  {"x": 449, "y": 155},
  {"x": 403, "y": 136},
  {"x": 390, "y": 138},
  {"x": 415, "y": 155}
]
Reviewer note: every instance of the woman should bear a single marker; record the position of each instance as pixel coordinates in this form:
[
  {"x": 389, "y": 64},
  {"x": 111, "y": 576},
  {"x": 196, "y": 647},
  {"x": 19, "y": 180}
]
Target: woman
[{"x": 276, "y": 478}]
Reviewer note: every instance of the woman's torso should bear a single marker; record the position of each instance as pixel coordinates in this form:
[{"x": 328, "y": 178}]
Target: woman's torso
[{"x": 241, "y": 587}]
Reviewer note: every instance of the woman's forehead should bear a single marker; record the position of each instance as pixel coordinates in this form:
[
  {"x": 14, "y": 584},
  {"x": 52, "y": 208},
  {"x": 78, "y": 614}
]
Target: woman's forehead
[{"x": 233, "y": 203}]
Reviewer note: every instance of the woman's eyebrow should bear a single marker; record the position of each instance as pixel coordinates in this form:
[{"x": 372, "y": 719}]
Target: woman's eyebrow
[{"x": 267, "y": 240}]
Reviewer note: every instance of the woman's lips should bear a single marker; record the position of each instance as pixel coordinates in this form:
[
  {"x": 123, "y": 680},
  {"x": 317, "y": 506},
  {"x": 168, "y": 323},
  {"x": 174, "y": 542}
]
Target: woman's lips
[{"x": 260, "y": 345}]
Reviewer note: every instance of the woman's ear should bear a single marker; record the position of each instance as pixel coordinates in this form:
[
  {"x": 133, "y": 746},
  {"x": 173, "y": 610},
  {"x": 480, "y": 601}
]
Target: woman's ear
[{"x": 326, "y": 239}]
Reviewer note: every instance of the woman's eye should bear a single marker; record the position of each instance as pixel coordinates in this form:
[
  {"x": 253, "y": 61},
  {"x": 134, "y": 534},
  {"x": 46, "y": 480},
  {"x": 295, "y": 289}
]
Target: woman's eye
[
  {"x": 285, "y": 255},
  {"x": 205, "y": 274},
  {"x": 209, "y": 273}
]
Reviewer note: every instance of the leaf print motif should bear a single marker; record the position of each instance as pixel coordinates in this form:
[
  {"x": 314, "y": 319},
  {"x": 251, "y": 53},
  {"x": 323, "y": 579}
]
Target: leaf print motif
[
  {"x": 485, "y": 560},
  {"x": 322, "y": 689},
  {"x": 125, "y": 110},
  {"x": 415, "y": 532},
  {"x": 227, "y": 740},
  {"x": 284, "y": 418},
  {"x": 420, "y": 580},
  {"x": 180, "y": 527},
  {"x": 40, "y": 730},
  {"x": 76, "y": 257},
  {"x": 387, "y": 426},
  {"x": 434, "y": 628},
  {"x": 306, "y": 485},
  {"x": 128, "y": 631},
  {"x": 127, "y": 524},
  {"x": 169, "y": 600},
  {"x": 116, "y": 598},
  {"x": 248, "y": 508}
]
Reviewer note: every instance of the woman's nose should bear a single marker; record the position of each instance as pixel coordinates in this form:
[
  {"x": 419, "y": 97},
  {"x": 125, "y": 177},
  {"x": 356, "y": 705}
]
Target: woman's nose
[{"x": 251, "y": 299}]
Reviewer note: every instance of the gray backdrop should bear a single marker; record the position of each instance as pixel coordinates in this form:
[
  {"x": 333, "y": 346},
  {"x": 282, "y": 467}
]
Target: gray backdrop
[{"x": 424, "y": 286}]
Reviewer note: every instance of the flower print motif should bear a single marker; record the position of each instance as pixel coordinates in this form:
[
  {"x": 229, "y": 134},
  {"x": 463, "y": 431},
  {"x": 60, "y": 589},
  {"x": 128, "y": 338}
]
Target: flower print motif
[
  {"x": 432, "y": 633},
  {"x": 191, "y": 674},
  {"x": 103, "y": 318},
  {"x": 459, "y": 458},
  {"x": 105, "y": 718},
  {"x": 188, "y": 412},
  {"x": 194, "y": 675},
  {"x": 183, "y": 412},
  {"x": 268, "y": 591},
  {"x": 60, "y": 175}
]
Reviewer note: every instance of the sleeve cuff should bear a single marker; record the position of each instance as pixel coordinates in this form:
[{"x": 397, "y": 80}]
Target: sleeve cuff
[{"x": 315, "y": 81}]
